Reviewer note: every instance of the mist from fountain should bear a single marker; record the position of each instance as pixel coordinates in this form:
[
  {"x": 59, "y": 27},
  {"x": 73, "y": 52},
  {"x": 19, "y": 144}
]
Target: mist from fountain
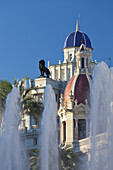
[
  {"x": 11, "y": 156},
  {"x": 48, "y": 139},
  {"x": 101, "y": 134}
]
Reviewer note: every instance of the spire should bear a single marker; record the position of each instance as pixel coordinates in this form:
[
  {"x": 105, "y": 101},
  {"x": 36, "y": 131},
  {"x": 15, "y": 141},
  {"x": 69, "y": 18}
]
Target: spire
[
  {"x": 78, "y": 23},
  {"x": 77, "y": 26}
]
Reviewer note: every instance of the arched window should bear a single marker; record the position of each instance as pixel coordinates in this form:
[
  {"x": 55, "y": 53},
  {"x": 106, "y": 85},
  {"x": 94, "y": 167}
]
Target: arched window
[
  {"x": 70, "y": 56},
  {"x": 64, "y": 131},
  {"x": 87, "y": 62},
  {"x": 82, "y": 63},
  {"x": 82, "y": 128}
]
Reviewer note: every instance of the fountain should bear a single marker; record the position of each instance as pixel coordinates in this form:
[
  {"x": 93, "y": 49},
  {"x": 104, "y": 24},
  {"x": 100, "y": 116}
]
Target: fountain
[
  {"x": 48, "y": 139},
  {"x": 101, "y": 137},
  {"x": 11, "y": 157}
]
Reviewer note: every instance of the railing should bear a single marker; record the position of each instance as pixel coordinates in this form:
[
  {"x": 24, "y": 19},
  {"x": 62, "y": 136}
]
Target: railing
[{"x": 84, "y": 145}]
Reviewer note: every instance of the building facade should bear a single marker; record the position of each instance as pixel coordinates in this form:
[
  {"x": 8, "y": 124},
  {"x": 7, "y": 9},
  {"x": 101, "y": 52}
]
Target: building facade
[{"x": 71, "y": 81}]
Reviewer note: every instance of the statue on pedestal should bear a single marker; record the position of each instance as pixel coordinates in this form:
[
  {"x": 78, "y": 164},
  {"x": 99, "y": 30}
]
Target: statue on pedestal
[{"x": 43, "y": 69}]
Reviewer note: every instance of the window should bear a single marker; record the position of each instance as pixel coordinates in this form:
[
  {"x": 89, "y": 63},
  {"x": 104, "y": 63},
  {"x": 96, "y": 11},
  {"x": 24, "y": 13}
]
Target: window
[
  {"x": 69, "y": 73},
  {"x": 82, "y": 128},
  {"x": 35, "y": 121},
  {"x": 64, "y": 131},
  {"x": 56, "y": 74},
  {"x": 70, "y": 56},
  {"x": 82, "y": 62},
  {"x": 63, "y": 74},
  {"x": 87, "y": 62},
  {"x": 35, "y": 141}
]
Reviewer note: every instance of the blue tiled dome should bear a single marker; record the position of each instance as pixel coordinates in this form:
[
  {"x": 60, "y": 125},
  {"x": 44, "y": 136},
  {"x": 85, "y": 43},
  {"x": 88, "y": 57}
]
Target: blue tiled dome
[{"x": 74, "y": 39}]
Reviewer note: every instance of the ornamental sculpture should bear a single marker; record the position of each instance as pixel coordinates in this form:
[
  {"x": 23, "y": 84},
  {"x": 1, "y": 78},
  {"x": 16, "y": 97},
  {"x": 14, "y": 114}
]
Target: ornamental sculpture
[{"x": 43, "y": 69}]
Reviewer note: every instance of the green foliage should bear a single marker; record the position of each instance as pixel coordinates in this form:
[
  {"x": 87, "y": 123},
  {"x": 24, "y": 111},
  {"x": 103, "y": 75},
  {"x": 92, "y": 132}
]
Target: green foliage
[
  {"x": 29, "y": 105},
  {"x": 21, "y": 86},
  {"x": 5, "y": 89},
  {"x": 32, "y": 108},
  {"x": 68, "y": 159},
  {"x": 34, "y": 159},
  {"x": 15, "y": 81},
  {"x": 16, "y": 84}
]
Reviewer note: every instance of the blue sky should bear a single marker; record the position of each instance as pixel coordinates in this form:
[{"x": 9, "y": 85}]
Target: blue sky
[{"x": 31, "y": 30}]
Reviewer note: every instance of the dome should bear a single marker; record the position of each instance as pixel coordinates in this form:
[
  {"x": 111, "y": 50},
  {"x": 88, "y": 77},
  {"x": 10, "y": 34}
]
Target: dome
[
  {"x": 80, "y": 88},
  {"x": 75, "y": 39},
  {"x": 68, "y": 89}
]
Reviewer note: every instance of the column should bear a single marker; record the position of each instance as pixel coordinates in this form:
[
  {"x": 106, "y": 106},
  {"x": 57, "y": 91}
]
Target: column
[
  {"x": 79, "y": 60},
  {"x": 72, "y": 70},
  {"x": 66, "y": 55},
  {"x": 69, "y": 128},
  {"x": 76, "y": 130},
  {"x": 60, "y": 72},
  {"x": 25, "y": 84},
  {"x": 61, "y": 132},
  {"x": 66, "y": 72},
  {"x": 54, "y": 73}
]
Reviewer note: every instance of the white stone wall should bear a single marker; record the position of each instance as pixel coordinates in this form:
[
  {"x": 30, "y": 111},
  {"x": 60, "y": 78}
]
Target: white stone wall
[
  {"x": 69, "y": 54},
  {"x": 61, "y": 71}
]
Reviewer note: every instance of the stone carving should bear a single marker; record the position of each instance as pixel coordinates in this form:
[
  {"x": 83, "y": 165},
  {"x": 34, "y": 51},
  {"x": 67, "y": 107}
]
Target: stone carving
[
  {"x": 43, "y": 69},
  {"x": 76, "y": 102},
  {"x": 86, "y": 102}
]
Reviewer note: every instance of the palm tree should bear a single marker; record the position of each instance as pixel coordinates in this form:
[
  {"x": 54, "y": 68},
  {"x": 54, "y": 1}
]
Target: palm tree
[
  {"x": 32, "y": 108},
  {"x": 68, "y": 159},
  {"x": 29, "y": 105},
  {"x": 5, "y": 89},
  {"x": 34, "y": 159}
]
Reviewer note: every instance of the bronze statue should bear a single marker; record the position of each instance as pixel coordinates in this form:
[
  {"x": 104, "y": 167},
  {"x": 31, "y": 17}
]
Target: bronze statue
[{"x": 43, "y": 69}]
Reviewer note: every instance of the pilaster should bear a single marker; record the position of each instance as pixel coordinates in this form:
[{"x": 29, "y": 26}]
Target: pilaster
[
  {"x": 61, "y": 132},
  {"x": 54, "y": 72},
  {"x": 76, "y": 130},
  {"x": 69, "y": 128},
  {"x": 66, "y": 72}
]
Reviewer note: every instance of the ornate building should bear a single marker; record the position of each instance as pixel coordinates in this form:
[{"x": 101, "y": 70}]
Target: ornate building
[
  {"x": 71, "y": 81},
  {"x": 75, "y": 102}
]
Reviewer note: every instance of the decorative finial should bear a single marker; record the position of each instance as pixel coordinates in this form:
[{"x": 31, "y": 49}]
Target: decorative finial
[
  {"x": 76, "y": 102},
  {"x": 82, "y": 40},
  {"x": 79, "y": 20},
  {"x": 77, "y": 26}
]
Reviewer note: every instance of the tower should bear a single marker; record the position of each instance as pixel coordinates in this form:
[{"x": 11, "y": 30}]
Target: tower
[{"x": 74, "y": 114}]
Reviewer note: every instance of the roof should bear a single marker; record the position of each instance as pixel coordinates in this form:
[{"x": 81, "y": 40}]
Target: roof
[
  {"x": 68, "y": 89},
  {"x": 76, "y": 38},
  {"x": 81, "y": 88}
]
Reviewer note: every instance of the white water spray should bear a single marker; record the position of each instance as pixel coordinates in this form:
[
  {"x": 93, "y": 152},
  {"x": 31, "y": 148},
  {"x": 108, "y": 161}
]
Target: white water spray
[
  {"x": 102, "y": 118},
  {"x": 11, "y": 157},
  {"x": 49, "y": 144}
]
